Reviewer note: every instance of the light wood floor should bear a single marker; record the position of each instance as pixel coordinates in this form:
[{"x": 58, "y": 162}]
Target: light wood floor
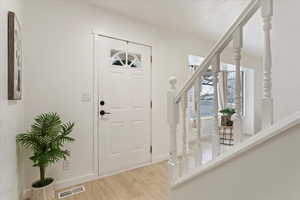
[{"x": 147, "y": 183}]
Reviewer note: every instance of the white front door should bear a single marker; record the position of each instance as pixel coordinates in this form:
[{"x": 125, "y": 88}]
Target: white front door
[{"x": 124, "y": 104}]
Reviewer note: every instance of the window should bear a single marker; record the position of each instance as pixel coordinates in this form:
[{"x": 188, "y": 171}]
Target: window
[
  {"x": 226, "y": 84},
  {"x": 122, "y": 58},
  {"x": 118, "y": 57},
  {"x": 134, "y": 60},
  {"x": 231, "y": 89}
]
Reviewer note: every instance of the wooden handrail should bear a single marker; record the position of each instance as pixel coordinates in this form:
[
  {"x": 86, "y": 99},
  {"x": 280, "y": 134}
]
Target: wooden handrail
[{"x": 249, "y": 11}]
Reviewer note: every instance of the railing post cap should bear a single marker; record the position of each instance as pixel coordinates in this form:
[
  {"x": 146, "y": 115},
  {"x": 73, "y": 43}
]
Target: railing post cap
[{"x": 173, "y": 80}]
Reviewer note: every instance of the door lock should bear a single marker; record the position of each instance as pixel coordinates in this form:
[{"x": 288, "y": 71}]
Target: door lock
[{"x": 102, "y": 103}]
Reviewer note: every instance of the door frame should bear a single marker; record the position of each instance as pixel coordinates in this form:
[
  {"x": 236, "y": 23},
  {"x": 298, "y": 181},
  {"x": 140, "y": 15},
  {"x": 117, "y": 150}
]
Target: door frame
[{"x": 95, "y": 96}]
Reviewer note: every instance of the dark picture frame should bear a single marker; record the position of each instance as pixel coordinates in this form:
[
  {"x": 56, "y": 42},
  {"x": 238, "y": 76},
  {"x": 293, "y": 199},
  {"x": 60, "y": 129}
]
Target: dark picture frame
[{"x": 15, "y": 58}]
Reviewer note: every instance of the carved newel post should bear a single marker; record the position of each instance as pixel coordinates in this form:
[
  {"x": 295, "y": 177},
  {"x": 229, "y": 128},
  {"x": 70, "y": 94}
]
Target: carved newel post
[{"x": 173, "y": 120}]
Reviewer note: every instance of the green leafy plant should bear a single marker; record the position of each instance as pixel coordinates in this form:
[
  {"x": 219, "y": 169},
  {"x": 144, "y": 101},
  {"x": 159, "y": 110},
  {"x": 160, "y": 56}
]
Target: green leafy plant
[
  {"x": 228, "y": 112},
  {"x": 46, "y": 140}
]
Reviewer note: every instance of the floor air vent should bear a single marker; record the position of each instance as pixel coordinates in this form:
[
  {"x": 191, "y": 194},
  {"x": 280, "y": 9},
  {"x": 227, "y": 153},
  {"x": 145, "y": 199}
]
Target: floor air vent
[{"x": 71, "y": 192}]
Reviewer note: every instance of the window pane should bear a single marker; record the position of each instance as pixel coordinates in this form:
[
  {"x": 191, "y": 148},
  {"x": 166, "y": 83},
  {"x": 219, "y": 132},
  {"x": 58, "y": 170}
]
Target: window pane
[
  {"x": 207, "y": 96},
  {"x": 231, "y": 90},
  {"x": 134, "y": 60},
  {"x": 207, "y": 93},
  {"x": 118, "y": 58}
]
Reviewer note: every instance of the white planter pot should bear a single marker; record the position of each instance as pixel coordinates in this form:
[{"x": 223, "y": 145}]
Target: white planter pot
[{"x": 43, "y": 193}]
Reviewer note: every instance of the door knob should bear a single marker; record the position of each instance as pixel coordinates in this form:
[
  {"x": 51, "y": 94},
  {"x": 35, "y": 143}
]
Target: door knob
[{"x": 102, "y": 112}]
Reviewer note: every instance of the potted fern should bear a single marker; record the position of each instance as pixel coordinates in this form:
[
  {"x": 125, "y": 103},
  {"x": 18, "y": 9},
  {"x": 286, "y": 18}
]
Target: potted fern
[
  {"x": 46, "y": 140},
  {"x": 226, "y": 116}
]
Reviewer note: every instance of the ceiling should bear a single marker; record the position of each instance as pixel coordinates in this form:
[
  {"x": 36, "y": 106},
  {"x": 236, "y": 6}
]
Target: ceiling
[{"x": 208, "y": 19}]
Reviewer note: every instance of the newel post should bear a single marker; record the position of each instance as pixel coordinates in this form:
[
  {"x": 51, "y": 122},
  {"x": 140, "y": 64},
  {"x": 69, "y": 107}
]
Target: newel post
[
  {"x": 267, "y": 102},
  {"x": 237, "y": 117},
  {"x": 173, "y": 120}
]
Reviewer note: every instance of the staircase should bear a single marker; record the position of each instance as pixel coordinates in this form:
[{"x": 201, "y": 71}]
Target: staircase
[
  {"x": 189, "y": 174},
  {"x": 265, "y": 167}
]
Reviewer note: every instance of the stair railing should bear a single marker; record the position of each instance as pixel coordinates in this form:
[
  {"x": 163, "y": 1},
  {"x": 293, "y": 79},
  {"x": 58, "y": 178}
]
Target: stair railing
[{"x": 179, "y": 162}]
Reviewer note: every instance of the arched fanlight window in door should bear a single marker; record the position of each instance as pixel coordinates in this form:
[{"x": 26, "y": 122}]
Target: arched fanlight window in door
[
  {"x": 118, "y": 57},
  {"x": 134, "y": 60}
]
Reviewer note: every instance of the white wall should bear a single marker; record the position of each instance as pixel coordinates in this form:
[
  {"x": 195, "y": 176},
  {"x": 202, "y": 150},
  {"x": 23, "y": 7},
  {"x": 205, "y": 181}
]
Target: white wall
[
  {"x": 286, "y": 65},
  {"x": 11, "y": 115},
  {"x": 269, "y": 171},
  {"x": 59, "y": 69}
]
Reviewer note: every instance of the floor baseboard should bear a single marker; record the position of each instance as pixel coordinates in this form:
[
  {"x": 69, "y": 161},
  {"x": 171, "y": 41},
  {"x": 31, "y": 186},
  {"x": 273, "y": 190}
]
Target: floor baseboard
[
  {"x": 75, "y": 181},
  {"x": 160, "y": 158}
]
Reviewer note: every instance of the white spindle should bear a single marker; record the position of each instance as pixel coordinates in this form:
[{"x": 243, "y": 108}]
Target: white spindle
[
  {"x": 216, "y": 133},
  {"x": 267, "y": 103},
  {"x": 173, "y": 120},
  {"x": 237, "y": 118},
  {"x": 198, "y": 88},
  {"x": 184, "y": 160}
]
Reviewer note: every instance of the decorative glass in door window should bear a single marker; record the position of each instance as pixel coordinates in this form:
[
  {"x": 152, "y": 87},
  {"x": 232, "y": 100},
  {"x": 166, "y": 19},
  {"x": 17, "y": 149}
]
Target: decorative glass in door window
[
  {"x": 134, "y": 60},
  {"x": 118, "y": 57}
]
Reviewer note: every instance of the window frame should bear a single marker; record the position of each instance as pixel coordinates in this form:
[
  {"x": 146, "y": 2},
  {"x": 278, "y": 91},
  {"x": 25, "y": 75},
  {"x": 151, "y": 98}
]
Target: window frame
[{"x": 191, "y": 101}]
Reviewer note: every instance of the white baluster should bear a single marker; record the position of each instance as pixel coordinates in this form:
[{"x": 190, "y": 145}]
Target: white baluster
[
  {"x": 184, "y": 160},
  {"x": 173, "y": 120},
  {"x": 267, "y": 102},
  {"x": 216, "y": 132},
  {"x": 198, "y": 153},
  {"x": 237, "y": 117}
]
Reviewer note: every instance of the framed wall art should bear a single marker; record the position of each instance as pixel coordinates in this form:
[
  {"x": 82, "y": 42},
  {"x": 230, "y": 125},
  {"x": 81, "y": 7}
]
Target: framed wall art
[{"x": 15, "y": 58}]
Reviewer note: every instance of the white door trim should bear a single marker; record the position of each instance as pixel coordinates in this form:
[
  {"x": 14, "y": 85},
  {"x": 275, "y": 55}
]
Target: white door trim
[{"x": 96, "y": 136}]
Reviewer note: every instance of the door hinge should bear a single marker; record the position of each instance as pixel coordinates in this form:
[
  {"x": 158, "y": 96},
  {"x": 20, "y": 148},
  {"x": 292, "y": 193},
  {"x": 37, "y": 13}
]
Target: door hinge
[
  {"x": 151, "y": 149},
  {"x": 150, "y": 104},
  {"x": 151, "y": 59}
]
